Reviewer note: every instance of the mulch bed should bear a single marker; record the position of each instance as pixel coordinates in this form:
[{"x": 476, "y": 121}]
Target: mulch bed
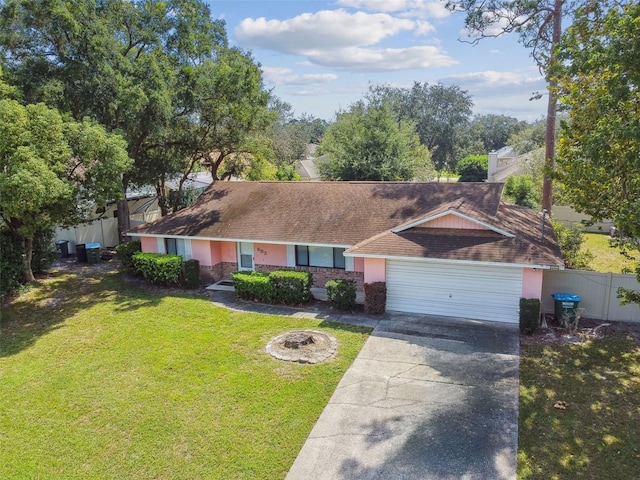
[{"x": 588, "y": 329}]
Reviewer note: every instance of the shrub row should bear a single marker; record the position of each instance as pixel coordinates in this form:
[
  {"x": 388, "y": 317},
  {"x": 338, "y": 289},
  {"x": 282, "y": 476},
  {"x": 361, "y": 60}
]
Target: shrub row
[
  {"x": 252, "y": 286},
  {"x": 157, "y": 267},
  {"x": 290, "y": 287},
  {"x": 341, "y": 293}
]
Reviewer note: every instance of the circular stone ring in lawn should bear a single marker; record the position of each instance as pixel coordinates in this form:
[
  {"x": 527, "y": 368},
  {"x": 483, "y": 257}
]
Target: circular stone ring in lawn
[{"x": 303, "y": 346}]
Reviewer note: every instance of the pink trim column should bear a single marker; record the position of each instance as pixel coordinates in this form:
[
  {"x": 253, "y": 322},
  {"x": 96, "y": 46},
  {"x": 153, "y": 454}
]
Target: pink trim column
[
  {"x": 375, "y": 270},
  {"x": 532, "y": 283},
  {"x": 149, "y": 244}
]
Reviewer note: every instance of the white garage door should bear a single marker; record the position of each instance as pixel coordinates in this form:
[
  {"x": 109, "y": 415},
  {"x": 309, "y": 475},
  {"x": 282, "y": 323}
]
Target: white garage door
[{"x": 477, "y": 292}]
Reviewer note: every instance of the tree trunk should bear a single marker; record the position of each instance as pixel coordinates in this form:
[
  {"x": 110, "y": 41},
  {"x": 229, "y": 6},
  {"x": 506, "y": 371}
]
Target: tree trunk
[
  {"x": 124, "y": 222},
  {"x": 552, "y": 105},
  {"x": 27, "y": 244}
]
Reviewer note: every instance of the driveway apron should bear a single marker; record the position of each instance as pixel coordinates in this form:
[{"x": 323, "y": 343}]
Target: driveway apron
[{"x": 426, "y": 398}]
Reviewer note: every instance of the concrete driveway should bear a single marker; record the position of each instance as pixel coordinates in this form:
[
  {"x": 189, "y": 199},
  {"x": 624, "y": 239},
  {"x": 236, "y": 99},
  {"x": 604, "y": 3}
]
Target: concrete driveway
[{"x": 426, "y": 398}]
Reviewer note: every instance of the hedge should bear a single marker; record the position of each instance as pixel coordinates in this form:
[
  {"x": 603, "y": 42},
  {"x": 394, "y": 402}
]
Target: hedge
[
  {"x": 158, "y": 267},
  {"x": 341, "y": 293},
  {"x": 290, "y": 287},
  {"x": 125, "y": 252},
  {"x": 529, "y": 315},
  {"x": 254, "y": 286},
  {"x": 375, "y": 298},
  {"x": 190, "y": 277}
]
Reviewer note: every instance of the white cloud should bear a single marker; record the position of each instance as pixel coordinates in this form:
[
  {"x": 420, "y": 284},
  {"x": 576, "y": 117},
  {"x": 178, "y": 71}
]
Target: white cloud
[
  {"x": 383, "y": 59},
  {"x": 434, "y": 9},
  {"x": 423, "y": 28},
  {"x": 503, "y": 92},
  {"x": 284, "y": 76},
  {"x": 493, "y": 79},
  {"x": 323, "y": 30},
  {"x": 341, "y": 40}
]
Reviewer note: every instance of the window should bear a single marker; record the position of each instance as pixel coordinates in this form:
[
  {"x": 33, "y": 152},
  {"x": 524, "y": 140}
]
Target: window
[
  {"x": 338, "y": 258},
  {"x": 246, "y": 255},
  {"x": 302, "y": 255},
  {"x": 174, "y": 246},
  {"x": 171, "y": 246},
  {"x": 309, "y": 256}
]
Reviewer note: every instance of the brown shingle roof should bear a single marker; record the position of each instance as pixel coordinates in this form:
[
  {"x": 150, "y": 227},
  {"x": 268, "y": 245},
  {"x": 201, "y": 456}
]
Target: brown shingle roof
[{"x": 348, "y": 213}]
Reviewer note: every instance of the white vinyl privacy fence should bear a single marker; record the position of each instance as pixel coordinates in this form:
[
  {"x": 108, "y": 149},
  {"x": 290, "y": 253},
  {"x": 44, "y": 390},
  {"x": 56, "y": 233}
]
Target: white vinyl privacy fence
[
  {"x": 597, "y": 292},
  {"x": 103, "y": 231}
]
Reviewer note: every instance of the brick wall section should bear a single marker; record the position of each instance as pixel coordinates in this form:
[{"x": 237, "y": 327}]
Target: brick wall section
[
  {"x": 321, "y": 275},
  {"x": 218, "y": 271},
  {"x": 210, "y": 273},
  {"x": 227, "y": 268}
]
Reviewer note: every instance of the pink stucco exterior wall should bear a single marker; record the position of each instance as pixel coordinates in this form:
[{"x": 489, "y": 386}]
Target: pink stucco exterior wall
[
  {"x": 452, "y": 221},
  {"x": 267, "y": 254},
  {"x": 532, "y": 283},
  {"x": 201, "y": 251},
  {"x": 358, "y": 264},
  {"x": 149, "y": 244},
  {"x": 375, "y": 270},
  {"x": 215, "y": 252},
  {"x": 229, "y": 252}
]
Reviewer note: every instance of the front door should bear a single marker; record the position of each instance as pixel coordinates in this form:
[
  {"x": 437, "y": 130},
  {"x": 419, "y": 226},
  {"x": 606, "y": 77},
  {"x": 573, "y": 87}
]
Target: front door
[{"x": 245, "y": 256}]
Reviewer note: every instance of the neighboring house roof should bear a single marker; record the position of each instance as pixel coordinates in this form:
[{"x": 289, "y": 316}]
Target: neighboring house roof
[
  {"x": 370, "y": 218},
  {"x": 308, "y": 169},
  {"x": 510, "y": 163}
]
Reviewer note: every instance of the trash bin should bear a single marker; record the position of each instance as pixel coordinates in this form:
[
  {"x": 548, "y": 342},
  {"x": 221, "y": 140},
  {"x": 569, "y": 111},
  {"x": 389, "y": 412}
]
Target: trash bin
[
  {"x": 566, "y": 307},
  {"x": 93, "y": 253},
  {"x": 63, "y": 248},
  {"x": 81, "y": 252}
]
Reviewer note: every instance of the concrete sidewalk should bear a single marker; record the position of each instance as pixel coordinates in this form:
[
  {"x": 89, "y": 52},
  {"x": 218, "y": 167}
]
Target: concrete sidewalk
[{"x": 426, "y": 398}]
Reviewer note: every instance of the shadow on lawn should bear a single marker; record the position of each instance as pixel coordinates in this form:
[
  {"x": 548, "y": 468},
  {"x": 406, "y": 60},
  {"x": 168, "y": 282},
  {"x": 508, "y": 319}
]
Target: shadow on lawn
[
  {"x": 60, "y": 295},
  {"x": 579, "y": 410}
]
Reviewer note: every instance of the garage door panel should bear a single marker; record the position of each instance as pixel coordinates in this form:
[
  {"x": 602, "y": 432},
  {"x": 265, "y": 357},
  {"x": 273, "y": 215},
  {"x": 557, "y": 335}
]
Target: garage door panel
[{"x": 481, "y": 292}]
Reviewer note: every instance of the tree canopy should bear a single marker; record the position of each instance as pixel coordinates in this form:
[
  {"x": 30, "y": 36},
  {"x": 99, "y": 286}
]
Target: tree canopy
[
  {"x": 369, "y": 143},
  {"x": 436, "y": 110},
  {"x": 599, "y": 84},
  {"x": 160, "y": 73},
  {"x": 51, "y": 168}
]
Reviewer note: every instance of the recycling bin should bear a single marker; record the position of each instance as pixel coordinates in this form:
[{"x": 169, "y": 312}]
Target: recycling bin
[
  {"x": 93, "y": 253},
  {"x": 81, "y": 252},
  {"x": 566, "y": 307},
  {"x": 63, "y": 248}
]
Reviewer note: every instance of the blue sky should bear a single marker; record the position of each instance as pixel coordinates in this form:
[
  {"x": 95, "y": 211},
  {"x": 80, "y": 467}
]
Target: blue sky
[{"x": 321, "y": 56}]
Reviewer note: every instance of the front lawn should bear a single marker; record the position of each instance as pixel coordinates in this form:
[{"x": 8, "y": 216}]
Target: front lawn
[
  {"x": 104, "y": 380},
  {"x": 580, "y": 409}
]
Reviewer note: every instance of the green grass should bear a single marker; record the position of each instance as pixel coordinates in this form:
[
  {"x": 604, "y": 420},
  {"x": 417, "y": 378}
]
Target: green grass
[
  {"x": 596, "y": 435},
  {"x": 102, "y": 380},
  {"x": 607, "y": 258}
]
